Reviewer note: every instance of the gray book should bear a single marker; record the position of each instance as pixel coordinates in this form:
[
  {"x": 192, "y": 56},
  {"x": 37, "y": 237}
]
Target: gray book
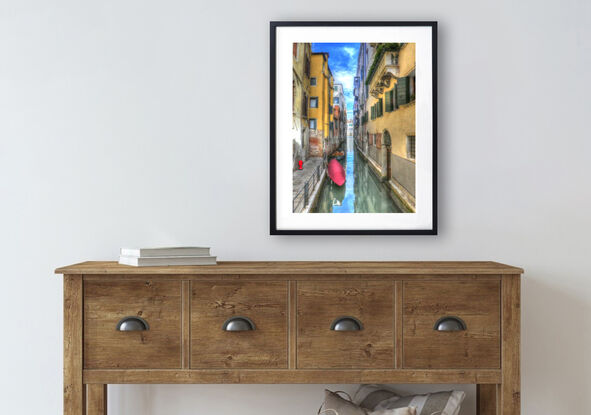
[
  {"x": 166, "y": 251},
  {"x": 166, "y": 260}
]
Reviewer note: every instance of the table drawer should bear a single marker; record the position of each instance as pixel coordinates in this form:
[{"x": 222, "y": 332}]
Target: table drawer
[
  {"x": 320, "y": 305},
  {"x": 217, "y": 308},
  {"x": 470, "y": 311},
  {"x": 157, "y": 304}
]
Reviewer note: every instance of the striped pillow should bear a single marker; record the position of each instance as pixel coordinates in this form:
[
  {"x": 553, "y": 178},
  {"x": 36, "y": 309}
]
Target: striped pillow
[
  {"x": 369, "y": 396},
  {"x": 334, "y": 404},
  {"x": 439, "y": 403},
  {"x": 397, "y": 411}
]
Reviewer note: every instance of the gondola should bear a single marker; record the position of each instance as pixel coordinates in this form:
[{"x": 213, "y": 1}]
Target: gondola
[
  {"x": 339, "y": 155},
  {"x": 336, "y": 172}
]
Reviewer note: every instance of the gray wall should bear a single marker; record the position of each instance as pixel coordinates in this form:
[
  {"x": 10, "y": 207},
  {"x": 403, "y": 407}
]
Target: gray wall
[
  {"x": 110, "y": 115},
  {"x": 403, "y": 171}
]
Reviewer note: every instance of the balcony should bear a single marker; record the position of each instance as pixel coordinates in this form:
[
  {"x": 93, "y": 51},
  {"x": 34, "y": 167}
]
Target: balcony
[{"x": 387, "y": 69}]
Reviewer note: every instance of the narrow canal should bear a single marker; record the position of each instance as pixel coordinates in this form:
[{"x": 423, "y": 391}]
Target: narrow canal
[{"x": 361, "y": 193}]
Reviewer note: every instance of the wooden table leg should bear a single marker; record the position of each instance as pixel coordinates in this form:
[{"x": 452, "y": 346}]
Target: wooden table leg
[
  {"x": 510, "y": 389},
  {"x": 73, "y": 388},
  {"x": 96, "y": 399},
  {"x": 486, "y": 399}
]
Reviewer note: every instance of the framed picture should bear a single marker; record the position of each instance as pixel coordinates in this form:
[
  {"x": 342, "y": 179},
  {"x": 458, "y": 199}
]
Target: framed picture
[{"x": 353, "y": 128}]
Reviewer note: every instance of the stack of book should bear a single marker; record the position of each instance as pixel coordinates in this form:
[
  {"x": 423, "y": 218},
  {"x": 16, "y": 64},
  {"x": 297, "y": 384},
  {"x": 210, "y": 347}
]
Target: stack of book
[{"x": 152, "y": 257}]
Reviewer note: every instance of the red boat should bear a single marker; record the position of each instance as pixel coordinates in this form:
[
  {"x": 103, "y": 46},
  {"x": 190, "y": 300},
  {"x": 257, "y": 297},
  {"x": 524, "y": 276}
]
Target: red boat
[{"x": 336, "y": 172}]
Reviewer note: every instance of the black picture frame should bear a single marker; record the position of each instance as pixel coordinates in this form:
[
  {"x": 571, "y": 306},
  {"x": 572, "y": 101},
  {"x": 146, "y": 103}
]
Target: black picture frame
[{"x": 274, "y": 25}]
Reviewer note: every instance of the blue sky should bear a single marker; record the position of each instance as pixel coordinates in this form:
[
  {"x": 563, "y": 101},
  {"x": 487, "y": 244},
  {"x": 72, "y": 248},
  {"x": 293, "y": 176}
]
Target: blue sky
[{"x": 342, "y": 59}]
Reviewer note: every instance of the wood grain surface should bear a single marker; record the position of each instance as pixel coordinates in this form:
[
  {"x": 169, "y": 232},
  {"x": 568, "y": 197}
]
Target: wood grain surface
[
  {"x": 511, "y": 315},
  {"x": 96, "y": 399},
  {"x": 212, "y": 303},
  {"x": 301, "y": 267},
  {"x": 106, "y": 302},
  {"x": 320, "y": 303},
  {"x": 318, "y": 376},
  {"x": 293, "y": 305},
  {"x": 486, "y": 399},
  {"x": 477, "y": 303},
  {"x": 73, "y": 388}
]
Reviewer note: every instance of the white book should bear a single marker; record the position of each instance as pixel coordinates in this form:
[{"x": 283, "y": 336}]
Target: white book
[
  {"x": 167, "y": 251},
  {"x": 167, "y": 260}
]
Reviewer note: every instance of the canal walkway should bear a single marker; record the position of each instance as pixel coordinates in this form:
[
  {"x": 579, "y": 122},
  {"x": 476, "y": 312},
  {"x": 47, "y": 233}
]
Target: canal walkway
[
  {"x": 362, "y": 192},
  {"x": 312, "y": 173}
]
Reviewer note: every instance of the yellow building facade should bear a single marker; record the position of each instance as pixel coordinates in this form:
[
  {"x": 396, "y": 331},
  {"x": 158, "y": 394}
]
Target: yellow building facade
[
  {"x": 302, "y": 60},
  {"x": 390, "y": 119},
  {"x": 320, "y": 105}
]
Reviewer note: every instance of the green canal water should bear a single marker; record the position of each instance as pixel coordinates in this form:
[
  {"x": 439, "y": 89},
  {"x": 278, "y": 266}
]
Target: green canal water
[{"x": 361, "y": 193}]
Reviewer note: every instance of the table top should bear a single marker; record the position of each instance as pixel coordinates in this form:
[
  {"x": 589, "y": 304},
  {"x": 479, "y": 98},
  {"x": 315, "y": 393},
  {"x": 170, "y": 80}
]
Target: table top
[{"x": 301, "y": 267}]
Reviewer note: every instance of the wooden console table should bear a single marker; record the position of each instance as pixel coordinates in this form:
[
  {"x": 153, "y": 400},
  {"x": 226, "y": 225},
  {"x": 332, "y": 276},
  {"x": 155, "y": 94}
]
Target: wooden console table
[{"x": 292, "y": 322}]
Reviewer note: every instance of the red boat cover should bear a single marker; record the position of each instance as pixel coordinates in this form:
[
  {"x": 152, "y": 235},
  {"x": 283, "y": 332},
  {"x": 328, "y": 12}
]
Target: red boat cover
[{"x": 336, "y": 172}]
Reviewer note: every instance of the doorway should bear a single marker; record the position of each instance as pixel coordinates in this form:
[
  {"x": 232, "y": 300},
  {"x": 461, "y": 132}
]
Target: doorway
[{"x": 388, "y": 145}]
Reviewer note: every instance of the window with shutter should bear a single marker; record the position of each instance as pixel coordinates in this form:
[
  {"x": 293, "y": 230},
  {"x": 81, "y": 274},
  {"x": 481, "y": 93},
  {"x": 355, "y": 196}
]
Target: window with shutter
[
  {"x": 402, "y": 93},
  {"x": 411, "y": 86},
  {"x": 381, "y": 106},
  {"x": 388, "y": 101},
  {"x": 410, "y": 147},
  {"x": 305, "y": 105}
]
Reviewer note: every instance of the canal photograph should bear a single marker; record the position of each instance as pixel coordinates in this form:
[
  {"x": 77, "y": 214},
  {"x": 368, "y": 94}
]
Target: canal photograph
[
  {"x": 361, "y": 193},
  {"x": 354, "y": 127},
  {"x": 353, "y": 131}
]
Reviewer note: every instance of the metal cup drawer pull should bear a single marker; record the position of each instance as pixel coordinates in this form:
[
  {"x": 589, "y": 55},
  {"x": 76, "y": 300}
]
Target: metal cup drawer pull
[
  {"x": 239, "y": 323},
  {"x": 132, "y": 323},
  {"x": 450, "y": 323},
  {"x": 346, "y": 323}
]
